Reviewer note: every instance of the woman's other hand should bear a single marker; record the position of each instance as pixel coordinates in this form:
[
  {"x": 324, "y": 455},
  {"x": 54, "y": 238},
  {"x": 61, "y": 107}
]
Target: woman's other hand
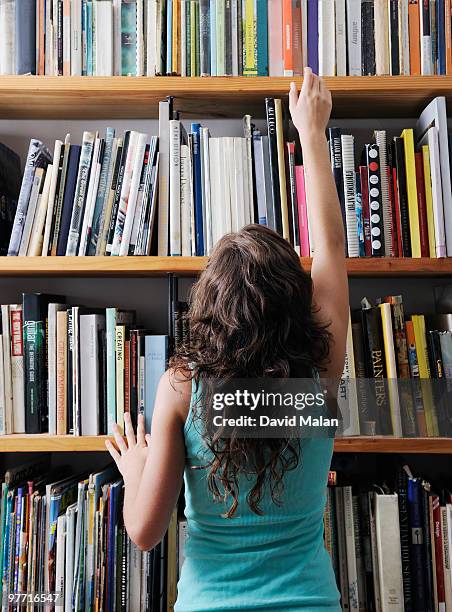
[
  {"x": 131, "y": 453},
  {"x": 311, "y": 109}
]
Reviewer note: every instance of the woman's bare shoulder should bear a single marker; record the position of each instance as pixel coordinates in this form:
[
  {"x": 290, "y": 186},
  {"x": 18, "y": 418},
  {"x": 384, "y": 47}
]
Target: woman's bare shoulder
[{"x": 175, "y": 385}]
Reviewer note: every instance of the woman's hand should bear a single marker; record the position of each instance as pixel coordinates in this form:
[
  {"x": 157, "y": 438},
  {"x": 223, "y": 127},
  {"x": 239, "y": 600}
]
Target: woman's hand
[
  {"x": 311, "y": 109},
  {"x": 132, "y": 454}
]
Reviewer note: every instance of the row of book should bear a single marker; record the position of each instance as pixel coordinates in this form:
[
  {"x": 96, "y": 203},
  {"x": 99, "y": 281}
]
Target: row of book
[
  {"x": 63, "y": 545},
  {"x": 225, "y": 37},
  {"x": 398, "y": 372},
  {"x": 141, "y": 195},
  {"x": 390, "y": 545}
]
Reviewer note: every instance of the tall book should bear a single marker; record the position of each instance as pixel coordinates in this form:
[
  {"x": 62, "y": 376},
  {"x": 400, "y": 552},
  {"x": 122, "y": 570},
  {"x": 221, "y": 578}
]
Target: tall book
[
  {"x": 349, "y": 180},
  {"x": 413, "y": 210},
  {"x": 156, "y": 357}
]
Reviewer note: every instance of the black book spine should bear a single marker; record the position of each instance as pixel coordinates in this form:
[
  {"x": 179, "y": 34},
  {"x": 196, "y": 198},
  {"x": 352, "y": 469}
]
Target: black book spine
[
  {"x": 70, "y": 351},
  {"x": 163, "y": 573},
  {"x": 334, "y": 141},
  {"x": 102, "y": 357},
  {"x": 429, "y": 587},
  {"x": 204, "y": 35},
  {"x": 228, "y": 38},
  {"x": 60, "y": 37},
  {"x": 117, "y": 197},
  {"x": 399, "y": 160},
  {"x": 367, "y": 38},
  {"x": 377, "y": 242},
  {"x": 439, "y": 384},
  {"x": 274, "y": 169},
  {"x": 402, "y": 492},
  {"x": 68, "y": 200},
  {"x": 34, "y": 362},
  {"x": 394, "y": 34},
  {"x": 366, "y": 547},
  {"x": 294, "y": 227},
  {"x": 240, "y": 35}
]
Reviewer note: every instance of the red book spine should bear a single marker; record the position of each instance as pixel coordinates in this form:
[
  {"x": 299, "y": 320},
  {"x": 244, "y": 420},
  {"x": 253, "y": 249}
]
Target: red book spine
[
  {"x": 302, "y": 212},
  {"x": 398, "y": 222},
  {"x": 365, "y": 205},
  {"x": 422, "y": 205},
  {"x": 437, "y": 532},
  {"x": 394, "y": 246}
]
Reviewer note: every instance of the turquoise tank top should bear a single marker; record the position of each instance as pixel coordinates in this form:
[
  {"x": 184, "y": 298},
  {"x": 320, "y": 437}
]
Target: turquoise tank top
[{"x": 273, "y": 562}]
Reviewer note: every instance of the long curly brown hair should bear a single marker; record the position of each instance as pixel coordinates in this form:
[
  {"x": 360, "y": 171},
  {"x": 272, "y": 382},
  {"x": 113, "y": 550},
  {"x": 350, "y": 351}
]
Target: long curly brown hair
[{"x": 251, "y": 315}]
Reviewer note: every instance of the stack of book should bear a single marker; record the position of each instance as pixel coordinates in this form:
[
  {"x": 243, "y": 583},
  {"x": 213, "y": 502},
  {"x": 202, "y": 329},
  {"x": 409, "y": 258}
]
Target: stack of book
[
  {"x": 390, "y": 545},
  {"x": 398, "y": 372},
  {"x": 102, "y": 198},
  {"x": 225, "y": 37},
  {"x": 71, "y": 369},
  {"x": 63, "y": 536}
]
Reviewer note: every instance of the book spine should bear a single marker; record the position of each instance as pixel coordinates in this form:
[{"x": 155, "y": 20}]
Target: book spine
[
  {"x": 349, "y": 180},
  {"x": 59, "y": 200},
  {"x": 354, "y": 37},
  {"x": 391, "y": 368},
  {"x": 422, "y": 205},
  {"x": 287, "y": 37},
  {"x": 275, "y": 38},
  {"x": 380, "y": 139},
  {"x": 175, "y": 189},
  {"x": 119, "y": 350},
  {"x": 259, "y": 169},
  {"x": 415, "y": 37},
  {"x": 111, "y": 367},
  {"x": 249, "y": 38},
  {"x": 34, "y": 359},
  {"x": 334, "y": 140},
  {"x": 17, "y": 368},
  {"x": 204, "y": 32},
  {"x": 352, "y": 568},
  {"x": 382, "y": 52},
  {"x": 313, "y": 35},
  {"x": 262, "y": 39},
  {"x": 80, "y": 193},
  {"x": 156, "y": 355},
  {"x": 163, "y": 194},
  {"x": 228, "y": 37},
  {"x": 426, "y": 38},
  {"x": 413, "y": 211},
  {"x": 429, "y": 201},
  {"x": 282, "y": 169},
  {"x": 128, "y": 38},
  {"x": 25, "y": 37},
  {"x": 404, "y": 38},
  {"x": 394, "y": 37},
  {"x": 341, "y": 38},
  {"x": 441, "y": 35},
  {"x": 327, "y": 51},
  {"x": 438, "y": 560},
  {"x": 397, "y": 230},
  {"x": 295, "y": 234},
  {"x": 367, "y": 38},
  {"x": 448, "y": 37},
  {"x": 61, "y": 373},
  {"x": 366, "y": 210},
  {"x": 402, "y": 195}
]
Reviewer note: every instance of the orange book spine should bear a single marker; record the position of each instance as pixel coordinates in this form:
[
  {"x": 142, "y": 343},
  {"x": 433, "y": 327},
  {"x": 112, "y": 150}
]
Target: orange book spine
[
  {"x": 414, "y": 371},
  {"x": 415, "y": 37},
  {"x": 41, "y": 29},
  {"x": 287, "y": 38},
  {"x": 448, "y": 17}
]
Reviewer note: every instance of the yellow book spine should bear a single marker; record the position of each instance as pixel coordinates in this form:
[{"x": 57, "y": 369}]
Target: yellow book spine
[
  {"x": 119, "y": 341},
  {"x": 172, "y": 562},
  {"x": 250, "y": 67},
  {"x": 282, "y": 169},
  {"x": 193, "y": 38},
  {"x": 424, "y": 374},
  {"x": 413, "y": 210},
  {"x": 429, "y": 201}
]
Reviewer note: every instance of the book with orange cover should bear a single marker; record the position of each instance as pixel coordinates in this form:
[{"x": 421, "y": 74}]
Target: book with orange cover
[
  {"x": 287, "y": 38},
  {"x": 415, "y": 37},
  {"x": 414, "y": 371}
]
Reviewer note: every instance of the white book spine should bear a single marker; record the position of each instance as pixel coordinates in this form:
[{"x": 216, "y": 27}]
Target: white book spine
[
  {"x": 235, "y": 37},
  {"x": 133, "y": 194},
  {"x": 150, "y": 38},
  {"x": 174, "y": 188},
  {"x": 382, "y": 53},
  {"x": 214, "y": 153},
  {"x": 351, "y": 552},
  {"x": 205, "y": 141},
  {"x": 52, "y": 196},
  {"x": 230, "y": 221},
  {"x": 441, "y": 113},
  {"x": 140, "y": 38},
  {"x": 7, "y": 30},
  {"x": 244, "y": 214},
  {"x": 341, "y": 38},
  {"x": 66, "y": 38},
  {"x": 236, "y": 181},
  {"x": 117, "y": 37},
  {"x": 404, "y": 38},
  {"x": 381, "y": 140},
  {"x": 90, "y": 325},
  {"x": 354, "y": 37},
  {"x": 31, "y": 211},
  {"x": 80, "y": 193},
  {"x": 373, "y": 541},
  {"x": 104, "y": 37},
  {"x": 125, "y": 192},
  {"x": 134, "y": 582},
  {"x": 185, "y": 184},
  {"x": 327, "y": 50},
  {"x": 2, "y": 389},
  {"x": 437, "y": 192},
  {"x": 163, "y": 193},
  {"x": 389, "y": 552},
  {"x": 60, "y": 556},
  {"x": 90, "y": 198},
  {"x": 348, "y": 169},
  {"x": 347, "y": 395},
  {"x": 182, "y": 538},
  {"x": 76, "y": 37},
  {"x": 36, "y": 239}
]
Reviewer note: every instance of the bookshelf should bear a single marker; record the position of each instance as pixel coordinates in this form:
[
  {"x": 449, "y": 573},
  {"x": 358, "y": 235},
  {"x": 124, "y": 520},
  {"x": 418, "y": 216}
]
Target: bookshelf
[
  {"x": 400, "y": 267},
  {"x": 39, "y": 97},
  {"x": 76, "y": 444}
]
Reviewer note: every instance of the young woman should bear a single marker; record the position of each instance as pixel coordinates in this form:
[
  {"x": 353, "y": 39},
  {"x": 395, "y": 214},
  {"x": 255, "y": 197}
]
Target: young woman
[{"x": 254, "y": 506}]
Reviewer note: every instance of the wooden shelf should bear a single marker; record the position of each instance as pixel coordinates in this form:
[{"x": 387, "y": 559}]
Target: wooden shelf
[
  {"x": 38, "y": 97},
  {"x": 192, "y": 266},
  {"x": 46, "y": 443}
]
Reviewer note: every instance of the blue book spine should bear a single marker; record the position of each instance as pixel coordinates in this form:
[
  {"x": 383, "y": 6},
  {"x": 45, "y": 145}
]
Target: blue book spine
[
  {"x": 25, "y": 33},
  {"x": 197, "y": 189},
  {"x": 441, "y": 33},
  {"x": 417, "y": 542},
  {"x": 89, "y": 38},
  {"x": 262, "y": 39},
  {"x": 169, "y": 37},
  {"x": 84, "y": 37},
  {"x": 156, "y": 357},
  {"x": 313, "y": 35},
  {"x": 213, "y": 38}
]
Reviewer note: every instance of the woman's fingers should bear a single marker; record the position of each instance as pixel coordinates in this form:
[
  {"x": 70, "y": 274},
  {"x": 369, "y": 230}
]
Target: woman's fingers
[
  {"x": 128, "y": 427},
  {"x": 293, "y": 97},
  {"x": 140, "y": 431},
  {"x": 307, "y": 81},
  {"x": 148, "y": 440},
  {"x": 120, "y": 442},
  {"x": 113, "y": 452}
]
